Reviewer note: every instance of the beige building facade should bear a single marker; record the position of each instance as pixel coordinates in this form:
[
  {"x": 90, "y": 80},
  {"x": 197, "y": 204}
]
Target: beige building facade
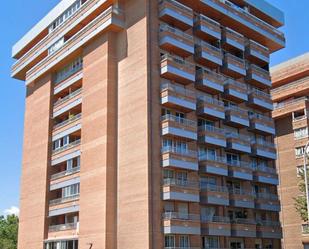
[
  {"x": 148, "y": 125},
  {"x": 290, "y": 93}
]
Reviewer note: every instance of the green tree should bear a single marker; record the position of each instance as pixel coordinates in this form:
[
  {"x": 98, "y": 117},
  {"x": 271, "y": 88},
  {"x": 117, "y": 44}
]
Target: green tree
[
  {"x": 8, "y": 232},
  {"x": 300, "y": 201}
]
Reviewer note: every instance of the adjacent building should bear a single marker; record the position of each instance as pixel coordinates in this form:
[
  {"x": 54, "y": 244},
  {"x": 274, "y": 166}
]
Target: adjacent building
[
  {"x": 290, "y": 93},
  {"x": 148, "y": 125}
]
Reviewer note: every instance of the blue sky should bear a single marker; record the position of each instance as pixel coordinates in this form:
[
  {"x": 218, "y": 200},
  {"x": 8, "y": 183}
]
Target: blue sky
[{"x": 19, "y": 16}]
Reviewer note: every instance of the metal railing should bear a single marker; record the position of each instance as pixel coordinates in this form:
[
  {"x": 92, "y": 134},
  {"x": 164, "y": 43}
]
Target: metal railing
[
  {"x": 292, "y": 101},
  {"x": 243, "y": 221},
  {"x": 260, "y": 47},
  {"x": 66, "y": 74},
  {"x": 238, "y": 163},
  {"x": 213, "y": 188},
  {"x": 180, "y": 216},
  {"x": 65, "y": 173},
  {"x": 215, "y": 219},
  {"x": 210, "y": 100},
  {"x": 267, "y": 196},
  {"x": 64, "y": 199},
  {"x": 69, "y": 120},
  {"x": 211, "y": 47},
  {"x": 182, "y": 121},
  {"x": 167, "y": 85},
  {"x": 179, "y": 60},
  {"x": 67, "y": 97},
  {"x": 260, "y": 93},
  {"x": 266, "y": 169},
  {"x": 211, "y": 128},
  {"x": 206, "y": 156},
  {"x": 268, "y": 223},
  {"x": 260, "y": 70},
  {"x": 166, "y": 27},
  {"x": 180, "y": 182},
  {"x": 209, "y": 20},
  {"x": 233, "y": 57},
  {"x": 261, "y": 117},
  {"x": 180, "y": 151},
  {"x": 238, "y": 136},
  {"x": 213, "y": 74},
  {"x": 68, "y": 146},
  {"x": 263, "y": 143},
  {"x": 236, "y": 84},
  {"x": 62, "y": 227},
  {"x": 237, "y": 109},
  {"x": 177, "y": 4}
]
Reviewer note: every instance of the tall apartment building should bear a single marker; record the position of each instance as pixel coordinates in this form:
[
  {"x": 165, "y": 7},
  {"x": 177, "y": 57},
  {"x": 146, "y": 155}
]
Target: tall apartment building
[
  {"x": 148, "y": 125},
  {"x": 290, "y": 93}
]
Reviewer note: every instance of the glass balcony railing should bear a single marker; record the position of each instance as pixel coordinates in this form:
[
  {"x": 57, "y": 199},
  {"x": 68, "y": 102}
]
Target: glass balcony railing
[
  {"x": 63, "y": 200},
  {"x": 65, "y": 173}
]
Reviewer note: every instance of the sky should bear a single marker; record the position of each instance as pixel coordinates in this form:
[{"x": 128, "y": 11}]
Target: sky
[{"x": 19, "y": 16}]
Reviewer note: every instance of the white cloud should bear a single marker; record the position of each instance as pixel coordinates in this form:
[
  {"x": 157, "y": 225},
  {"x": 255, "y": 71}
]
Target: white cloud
[{"x": 11, "y": 210}]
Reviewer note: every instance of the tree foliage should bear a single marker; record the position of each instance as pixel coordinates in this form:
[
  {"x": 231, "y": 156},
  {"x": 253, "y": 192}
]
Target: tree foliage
[
  {"x": 8, "y": 232},
  {"x": 301, "y": 201}
]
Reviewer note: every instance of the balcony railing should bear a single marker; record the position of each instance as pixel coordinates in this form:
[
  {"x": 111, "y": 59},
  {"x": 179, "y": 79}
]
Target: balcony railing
[
  {"x": 178, "y": 60},
  {"x": 211, "y": 129},
  {"x": 180, "y": 216},
  {"x": 289, "y": 102},
  {"x": 213, "y": 188},
  {"x": 215, "y": 219},
  {"x": 258, "y": 48},
  {"x": 207, "y": 157},
  {"x": 69, "y": 120},
  {"x": 179, "y": 33},
  {"x": 261, "y": 117},
  {"x": 263, "y": 143},
  {"x": 210, "y": 100},
  {"x": 243, "y": 221},
  {"x": 238, "y": 110},
  {"x": 62, "y": 227},
  {"x": 266, "y": 169},
  {"x": 269, "y": 223},
  {"x": 177, "y": 5},
  {"x": 64, "y": 200},
  {"x": 167, "y": 85},
  {"x": 241, "y": 137},
  {"x": 68, "y": 146},
  {"x": 180, "y": 183},
  {"x": 183, "y": 121},
  {"x": 267, "y": 196},
  {"x": 236, "y": 191},
  {"x": 78, "y": 65},
  {"x": 65, "y": 173},
  {"x": 238, "y": 163},
  {"x": 67, "y": 97},
  {"x": 179, "y": 151}
]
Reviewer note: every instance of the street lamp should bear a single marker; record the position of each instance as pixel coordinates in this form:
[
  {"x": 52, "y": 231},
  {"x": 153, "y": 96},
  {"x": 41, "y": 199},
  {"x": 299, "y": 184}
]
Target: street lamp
[{"x": 306, "y": 153}]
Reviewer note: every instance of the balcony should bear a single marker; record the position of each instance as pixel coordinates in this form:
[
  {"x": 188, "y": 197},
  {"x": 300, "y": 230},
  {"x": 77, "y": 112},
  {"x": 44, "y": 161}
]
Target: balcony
[
  {"x": 232, "y": 40},
  {"x": 240, "y": 169},
  {"x": 285, "y": 108},
  {"x": 216, "y": 226},
  {"x": 206, "y": 28},
  {"x": 267, "y": 201},
  {"x": 258, "y": 77},
  {"x": 176, "y": 14},
  {"x": 179, "y": 190},
  {"x": 264, "y": 149},
  {"x": 233, "y": 66},
  {"x": 238, "y": 142},
  {"x": 265, "y": 174},
  {"x": 65, "y": 173},
  {"x": 173, "y": 126},
  {"x": 235, "y": 91},
  {"x": 211, "y": 135},
  {"x": 262, "y": 124},
  {"x": 111, "y": 19},
  {"x": 176, "y": 41},
  {"x": 181, "y": 223},
  {"x": 244, "y": 228},
  {"x": 269, "y": 229},
  {"x": 176, "y": 69},
  {"x": 236, "y": 116},
  {"x": 257, "y": 53},
  {"x": 71, "y": 120},
  {"x": 213, "y": 165},
  {"x": 208, "y": 55},
  {"x": 63, "y": 227},
  {"x": 210, "y": 108},
  {"x": 237, "y": 18},
  {"x": 209, "y": 81},
  {"x": 66, "y": 73},
  {"x": 216, "y": 195},
  {"x": 176, "y": 97},
  {"x": 241, "y": 198},
  {"x": 69, "y": 146},
  {"x": 63, "y": 200},
  {"x": 63, "y": 100},
  {"x": 179, "y": 158},
  {"x": 260, "y": 100}
]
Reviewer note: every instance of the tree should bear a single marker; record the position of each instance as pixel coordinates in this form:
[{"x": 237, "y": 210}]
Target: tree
[
  {"x": 8, "y": 232},
  {"x": 301, "y": 201}
]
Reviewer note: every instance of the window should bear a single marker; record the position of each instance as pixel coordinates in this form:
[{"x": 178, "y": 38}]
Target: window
[
  {"x": 208, "y": 182},
  {"x": 210, "y": 242},
  {"x": 301, "y": 133},
  {"x": 184, "y": 241},
  {"x": 66, "y": 15},
  {"x": 208, "y": 152},
  {"x": 203, "y": 122},
  {"x": 57, "y": 45},
  {"x": 299, "y": 151},
  {"x": 178, "y": 146},
  {"x": 168, "y": 174},
  {"x": 169, "y": 241},
  {"x": 182, "y": 176},
  {"x": 232, "y": 159},
  {"x": 68, "y": 70},
  {"x": 70, "y": 190},
  {"x": 165, "y": 112}
]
